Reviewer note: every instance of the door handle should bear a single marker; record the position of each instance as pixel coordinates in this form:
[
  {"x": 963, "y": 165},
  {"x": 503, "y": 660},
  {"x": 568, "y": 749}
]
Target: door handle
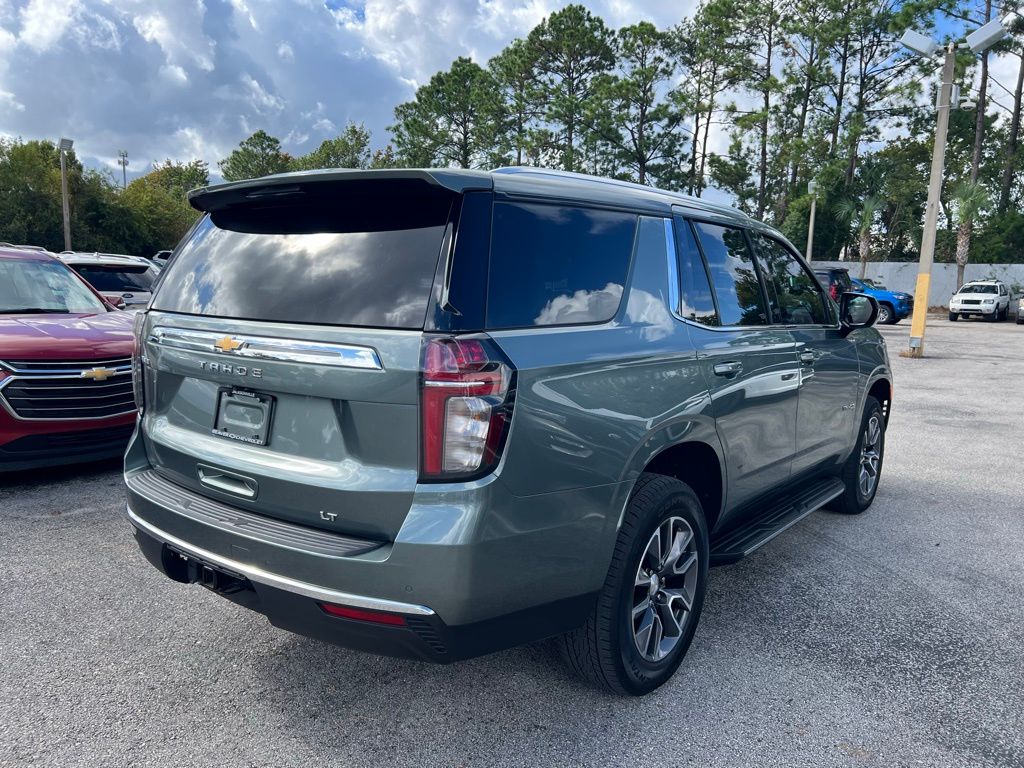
[
  {"x": 728, "y": 369},
  {"x": 808, "y": 358}
]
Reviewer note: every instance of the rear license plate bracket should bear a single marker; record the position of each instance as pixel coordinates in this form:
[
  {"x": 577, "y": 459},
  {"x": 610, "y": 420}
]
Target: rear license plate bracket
[{"x": 244, "y": 415}]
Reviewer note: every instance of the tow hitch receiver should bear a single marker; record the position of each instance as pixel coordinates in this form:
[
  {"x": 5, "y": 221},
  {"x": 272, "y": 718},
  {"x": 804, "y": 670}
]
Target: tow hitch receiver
[{"x": 186, "y": 569}]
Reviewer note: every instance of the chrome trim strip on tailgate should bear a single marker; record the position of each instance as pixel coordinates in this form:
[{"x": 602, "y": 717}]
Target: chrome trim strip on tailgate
[
  {"x": 269, "y": 348},
  {"x": 257, "y": 574}
]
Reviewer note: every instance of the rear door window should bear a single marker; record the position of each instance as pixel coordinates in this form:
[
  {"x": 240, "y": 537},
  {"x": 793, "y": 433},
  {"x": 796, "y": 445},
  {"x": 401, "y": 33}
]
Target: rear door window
[
  {"x": 796, "y": 295},
  {"x": 557, "y": 265},
  {"x": 350, "y": 260},
  {"x": 697, "y": 302},
  {"x": 733, "y": 274}
]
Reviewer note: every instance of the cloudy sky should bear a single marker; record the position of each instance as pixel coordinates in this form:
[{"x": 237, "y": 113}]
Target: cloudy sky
[{"x": 191, "y": 78}]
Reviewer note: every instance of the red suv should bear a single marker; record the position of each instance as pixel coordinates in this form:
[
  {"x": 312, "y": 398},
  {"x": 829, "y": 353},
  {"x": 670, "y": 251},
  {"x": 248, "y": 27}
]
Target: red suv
[{"x": 65, "y": 366}]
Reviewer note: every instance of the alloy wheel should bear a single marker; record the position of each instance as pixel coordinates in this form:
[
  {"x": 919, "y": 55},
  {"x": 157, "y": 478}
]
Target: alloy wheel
[
  {"x": 664, "y": 589},
  {"x": 870, "y": 456}
]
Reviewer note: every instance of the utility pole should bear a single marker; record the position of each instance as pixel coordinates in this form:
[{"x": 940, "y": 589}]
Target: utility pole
[
  {"x": 931, "y": 216},
  {"x": 979, "y": 41},
  {"x": 65, "y": 147},
  {"x": 122, "y": 160},
  {"x": 812, "y": 187}
]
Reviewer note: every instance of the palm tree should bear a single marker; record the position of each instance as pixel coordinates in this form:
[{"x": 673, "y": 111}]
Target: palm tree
[
  {"x": 861, "y": 214},
  {"x": 970, "y": 199}
]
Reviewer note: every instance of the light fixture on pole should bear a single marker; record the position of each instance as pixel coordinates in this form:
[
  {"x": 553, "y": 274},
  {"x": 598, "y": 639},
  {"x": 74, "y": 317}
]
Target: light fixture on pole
[
  {"x": 122, "y": 160},
  {"x": 812, "y": 190},
  {"x": 65, "y": 146},
  {"x": 978, "y": 41}
]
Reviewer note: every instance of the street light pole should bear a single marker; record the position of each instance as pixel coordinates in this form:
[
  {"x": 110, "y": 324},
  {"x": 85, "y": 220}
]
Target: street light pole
[
  {"x": 122, "y": 160},
  {"x": 65, "y": 147},
  {"x": 931, "y": 216},
  {"x": 812, "y": 187}
]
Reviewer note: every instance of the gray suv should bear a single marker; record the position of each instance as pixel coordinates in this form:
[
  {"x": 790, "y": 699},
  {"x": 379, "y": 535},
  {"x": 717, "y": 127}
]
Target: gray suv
[{"x": 438, "y": 413}]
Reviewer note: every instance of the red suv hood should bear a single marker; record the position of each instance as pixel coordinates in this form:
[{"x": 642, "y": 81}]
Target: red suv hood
[{"x": 66, "y": 337}]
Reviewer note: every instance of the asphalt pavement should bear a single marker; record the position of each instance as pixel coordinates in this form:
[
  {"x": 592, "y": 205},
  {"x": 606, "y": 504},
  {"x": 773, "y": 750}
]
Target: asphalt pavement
[{"x": 887, "y": 639}]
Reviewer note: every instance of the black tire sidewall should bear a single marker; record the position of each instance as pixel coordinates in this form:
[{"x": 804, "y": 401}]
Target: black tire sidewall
[
  {"x": 673, "y": 499},
  {"x": 871, "y": 407}
]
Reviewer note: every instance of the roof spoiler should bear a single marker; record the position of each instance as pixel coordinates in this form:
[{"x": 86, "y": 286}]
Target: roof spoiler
[{"x": 221, "y": 196}]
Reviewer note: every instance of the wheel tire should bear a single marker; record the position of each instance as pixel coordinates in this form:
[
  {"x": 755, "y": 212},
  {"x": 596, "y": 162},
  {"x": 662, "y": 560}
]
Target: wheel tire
[
  {"x": 854, "y": 500},
  {"x": 994, "y": 317},
  {"x": 604, "y": 651},
  {"x": 953, "y": 317},
  {"x": 886, "y": 315}
]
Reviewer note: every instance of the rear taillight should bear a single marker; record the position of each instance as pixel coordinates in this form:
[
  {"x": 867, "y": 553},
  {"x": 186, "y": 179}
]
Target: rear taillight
[
  {"x": 466, "y": 398},
  {"x": 139, "y": 361}
]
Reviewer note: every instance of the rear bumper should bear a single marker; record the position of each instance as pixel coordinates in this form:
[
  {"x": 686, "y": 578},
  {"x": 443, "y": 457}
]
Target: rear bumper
[
  {"x": 418, "y": 632},
  {"x": 478, "y": 567}
]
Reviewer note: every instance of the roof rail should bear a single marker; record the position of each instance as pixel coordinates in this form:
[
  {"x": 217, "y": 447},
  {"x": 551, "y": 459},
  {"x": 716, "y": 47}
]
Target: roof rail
[{"x": 675, "y": 197}]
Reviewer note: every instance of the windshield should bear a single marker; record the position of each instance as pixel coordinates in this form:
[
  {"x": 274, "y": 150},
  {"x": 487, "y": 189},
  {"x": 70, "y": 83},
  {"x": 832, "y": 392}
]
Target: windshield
[
  {"x": 117, "y": 278},
  {"x": 43, "y": 286},
  {"x": 979, "y": 289}
]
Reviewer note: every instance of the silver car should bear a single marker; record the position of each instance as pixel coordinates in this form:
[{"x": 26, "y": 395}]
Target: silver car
[{"x": 125, "y": 281}]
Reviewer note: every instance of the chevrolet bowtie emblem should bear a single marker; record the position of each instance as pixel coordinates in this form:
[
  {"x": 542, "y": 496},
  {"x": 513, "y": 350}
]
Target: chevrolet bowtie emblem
[
  {"x": 227, "y": 344},
  {"x": 98, "y": 374}
]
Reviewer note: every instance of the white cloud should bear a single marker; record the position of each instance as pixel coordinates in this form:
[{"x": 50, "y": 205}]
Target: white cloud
[
  {"x": 260, "y": 97},
  {"x": 8, "y": 101},
  {"x": 43, "y": 22},
  {"x": 174, "y": 74},
  {"x": 191, "y": 78},
  {"x": 179, "y": 34}
]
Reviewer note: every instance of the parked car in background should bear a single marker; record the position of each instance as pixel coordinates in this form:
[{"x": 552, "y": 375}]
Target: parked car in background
[
  {"x": 835, "y": 280},
  {"x": 893, "y": 306},
  {"x": 597, "y": 391},
  {"x": 65, "y": 366},
  {"x": 989, "y": 299},
  {"x": 160, "y": 258},
  {"x": 120, "y": 278},
  {"x": 1020, "y": 310}
]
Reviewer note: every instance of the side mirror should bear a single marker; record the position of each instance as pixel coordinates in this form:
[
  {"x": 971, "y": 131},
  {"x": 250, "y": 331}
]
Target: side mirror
[
  {"x": 120, "y": 304},
  {"x": 857, "y": 310}
]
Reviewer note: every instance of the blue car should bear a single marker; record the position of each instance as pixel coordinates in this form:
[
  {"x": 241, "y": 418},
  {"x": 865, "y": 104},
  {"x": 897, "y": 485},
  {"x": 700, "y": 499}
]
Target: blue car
[{"x": 893, "y": 306}]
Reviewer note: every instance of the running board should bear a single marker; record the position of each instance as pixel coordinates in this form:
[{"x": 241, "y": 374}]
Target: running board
[{"x": 740, "y": 542}]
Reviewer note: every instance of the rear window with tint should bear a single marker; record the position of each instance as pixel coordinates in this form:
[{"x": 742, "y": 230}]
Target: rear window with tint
[
  {"x": 557, "y": 265},
  {"x": 363, "y": 260},
  {"x": 140, "y": 278}
]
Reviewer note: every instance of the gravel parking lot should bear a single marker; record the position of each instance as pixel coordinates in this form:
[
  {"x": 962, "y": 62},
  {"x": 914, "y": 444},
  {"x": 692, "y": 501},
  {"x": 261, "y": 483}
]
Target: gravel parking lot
[{"x": 892, "y": 638}]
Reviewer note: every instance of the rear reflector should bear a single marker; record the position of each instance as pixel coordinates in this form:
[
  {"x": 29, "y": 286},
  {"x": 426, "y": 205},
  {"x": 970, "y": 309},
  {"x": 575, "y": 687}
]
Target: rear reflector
[{"x": 374, "y": 617}]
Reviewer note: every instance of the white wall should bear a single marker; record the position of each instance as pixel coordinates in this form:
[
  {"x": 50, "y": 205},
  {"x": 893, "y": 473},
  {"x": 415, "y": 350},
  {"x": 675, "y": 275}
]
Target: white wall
[{"x": 902, "y": 276}]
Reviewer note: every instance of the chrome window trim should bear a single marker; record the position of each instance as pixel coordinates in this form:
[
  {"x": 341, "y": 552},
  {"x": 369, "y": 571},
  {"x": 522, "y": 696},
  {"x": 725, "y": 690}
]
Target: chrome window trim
[
  {"x": 276, "y": 580},
  {"x": 270, "y": 348}
]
